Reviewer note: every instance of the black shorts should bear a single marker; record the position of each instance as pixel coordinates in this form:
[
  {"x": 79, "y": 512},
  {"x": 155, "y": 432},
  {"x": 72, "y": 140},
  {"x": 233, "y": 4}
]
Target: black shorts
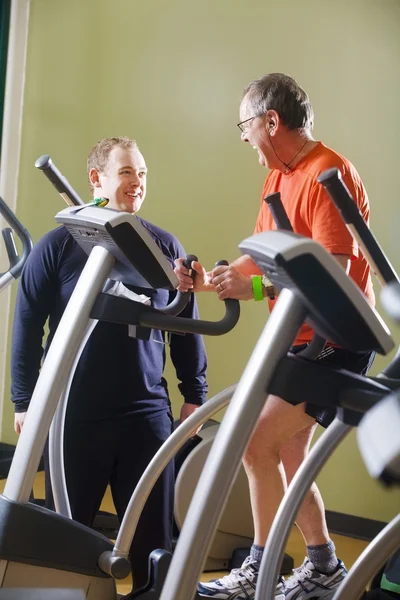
[{"x": 340, "y": 358}]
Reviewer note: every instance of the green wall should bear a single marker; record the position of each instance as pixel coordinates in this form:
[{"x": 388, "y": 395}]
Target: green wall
[{"x": 170, "y": 74}]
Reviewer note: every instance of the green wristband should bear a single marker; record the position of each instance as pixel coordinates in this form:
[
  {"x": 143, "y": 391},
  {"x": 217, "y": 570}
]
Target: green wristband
[{"x": 256, "y": 282}]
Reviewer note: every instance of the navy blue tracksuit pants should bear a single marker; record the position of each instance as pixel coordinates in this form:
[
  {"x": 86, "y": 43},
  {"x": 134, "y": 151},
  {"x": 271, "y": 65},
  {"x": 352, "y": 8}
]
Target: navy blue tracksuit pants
[{"x": 116, "y": 452}]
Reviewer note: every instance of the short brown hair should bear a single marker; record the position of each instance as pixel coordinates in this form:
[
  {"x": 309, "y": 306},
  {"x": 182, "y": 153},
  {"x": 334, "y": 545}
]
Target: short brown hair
[
  {"x": 98, "y": 156},
  {"x": 279, "y": 92}
]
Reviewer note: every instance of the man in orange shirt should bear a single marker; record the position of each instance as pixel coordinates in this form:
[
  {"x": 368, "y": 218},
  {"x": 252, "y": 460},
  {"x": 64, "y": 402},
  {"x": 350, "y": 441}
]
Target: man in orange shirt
[{"x": 277, "y": 120}]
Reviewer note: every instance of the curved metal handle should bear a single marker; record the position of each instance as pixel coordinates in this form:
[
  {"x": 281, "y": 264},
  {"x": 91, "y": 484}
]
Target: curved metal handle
[
  {"x": 196, "y": 326},
  {"x": 16, "y": 262},
  {"x": 180, "y": 302},
  {"x": 61, "y": 183}
]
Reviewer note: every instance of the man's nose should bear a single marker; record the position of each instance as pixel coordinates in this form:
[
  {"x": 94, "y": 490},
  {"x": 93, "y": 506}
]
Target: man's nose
[{"x": 135, "y": 179}]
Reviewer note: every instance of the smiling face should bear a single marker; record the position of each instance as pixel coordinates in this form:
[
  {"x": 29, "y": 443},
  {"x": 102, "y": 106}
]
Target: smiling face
[
  {"x": 123, "y": 180},
  {"x": 256, "y": 132}
]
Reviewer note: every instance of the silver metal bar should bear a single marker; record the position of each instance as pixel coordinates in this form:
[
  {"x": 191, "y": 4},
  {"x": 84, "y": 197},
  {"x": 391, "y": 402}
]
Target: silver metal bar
[
  {"x": 56, "y": 437},
  {"x": 224, "y": 458},
  {"x": 5, "y": 280},
  {"x": 286, "y": 514},
  {"x": 370, "y": 561},
  {"x": 159, "y": 462},
  {"x": 53, "y": 375}
]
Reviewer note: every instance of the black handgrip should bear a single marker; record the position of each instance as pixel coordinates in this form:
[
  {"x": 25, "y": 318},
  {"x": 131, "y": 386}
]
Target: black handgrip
[
  {"x": 340, "y": 195},
  {"x": 278, "y": 211},
  {"x": 9, "y": 242},
  {"x": 22, "y": 233},
  {"x": 165, "y": 322},
  {"x": 339, "y": 192},
  {"x": 282, "y": 221},
  {"x": 181, "y": 299},
  {"x": 188, "y": 264},
  {"x": 196, "y": 326},
  {"x": 230, "y": 303},
  {"x": 61, "y": 183},
  {"x": 177, "y": 305},
  {"x": 189, "y": 259}
]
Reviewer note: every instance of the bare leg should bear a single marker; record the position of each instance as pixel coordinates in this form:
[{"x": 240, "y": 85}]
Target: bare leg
[
  {"x": 311, "y": 516},
  {"x": 280, "y": 441},
  {"x": 279, "y": 423}
]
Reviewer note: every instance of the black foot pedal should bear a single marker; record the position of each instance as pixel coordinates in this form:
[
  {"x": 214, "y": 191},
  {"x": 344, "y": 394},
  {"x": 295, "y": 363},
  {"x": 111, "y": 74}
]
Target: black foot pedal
[{"x": 159, "y": 561}]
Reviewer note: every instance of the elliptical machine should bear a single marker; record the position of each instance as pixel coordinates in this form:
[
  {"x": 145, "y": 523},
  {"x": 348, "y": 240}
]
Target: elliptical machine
[
  {"x": 285, "y": 258},
  {"x": 58, "y": 552}
]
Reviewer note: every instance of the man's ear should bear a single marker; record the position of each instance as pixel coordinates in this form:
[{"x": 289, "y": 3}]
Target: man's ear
[
  {"x": 94, "y": 177},
  {"x": 272, "y": 122}
]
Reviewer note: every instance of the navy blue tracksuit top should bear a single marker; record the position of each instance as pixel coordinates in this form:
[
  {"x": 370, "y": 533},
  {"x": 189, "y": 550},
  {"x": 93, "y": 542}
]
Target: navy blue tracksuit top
[{"x": 117, "y": 375}]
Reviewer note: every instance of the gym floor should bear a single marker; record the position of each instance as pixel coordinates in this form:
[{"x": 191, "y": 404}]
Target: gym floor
[{"x": 348, "y": 549}]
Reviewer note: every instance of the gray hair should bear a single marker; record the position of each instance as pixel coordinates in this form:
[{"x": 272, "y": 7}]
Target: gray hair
[{"x": 279, "y": 92}]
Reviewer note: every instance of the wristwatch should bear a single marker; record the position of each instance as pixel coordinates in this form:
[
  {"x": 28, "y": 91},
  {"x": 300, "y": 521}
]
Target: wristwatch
[{"x": 269, "y": 286}]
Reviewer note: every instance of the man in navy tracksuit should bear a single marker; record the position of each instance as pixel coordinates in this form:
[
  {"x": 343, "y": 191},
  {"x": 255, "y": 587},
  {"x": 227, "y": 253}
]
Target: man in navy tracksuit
[{"x": 119, "y": 411}]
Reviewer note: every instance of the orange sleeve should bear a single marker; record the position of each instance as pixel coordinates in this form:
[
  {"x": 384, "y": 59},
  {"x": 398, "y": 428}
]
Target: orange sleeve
[{"x": 327, "y": 226}]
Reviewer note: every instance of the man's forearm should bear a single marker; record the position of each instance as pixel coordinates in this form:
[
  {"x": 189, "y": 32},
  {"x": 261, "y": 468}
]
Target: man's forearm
[{"x": 246, "y": 266}]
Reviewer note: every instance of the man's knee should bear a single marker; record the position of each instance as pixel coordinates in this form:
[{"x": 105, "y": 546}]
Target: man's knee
[
  {"x": 277, "y": 426},
  {"x": 261, "y": 452},
  {"x": 296, "y": 449}
]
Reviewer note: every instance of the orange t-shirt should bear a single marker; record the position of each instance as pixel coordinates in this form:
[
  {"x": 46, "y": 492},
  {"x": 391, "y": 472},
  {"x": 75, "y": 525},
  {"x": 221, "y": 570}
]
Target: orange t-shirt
[{"x": 313, "y": 214}]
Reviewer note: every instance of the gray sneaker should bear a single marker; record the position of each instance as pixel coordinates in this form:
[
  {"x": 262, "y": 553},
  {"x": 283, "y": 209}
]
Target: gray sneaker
[
  {"x": 280, "y": 589},
  {"x": 308, "y": 583},
  {"x": 240, "y": 584}
]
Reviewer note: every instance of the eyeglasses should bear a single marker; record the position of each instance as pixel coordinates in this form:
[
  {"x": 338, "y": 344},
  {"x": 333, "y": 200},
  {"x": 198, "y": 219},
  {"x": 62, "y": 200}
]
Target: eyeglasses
[{"x": 242, "y": 125}]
